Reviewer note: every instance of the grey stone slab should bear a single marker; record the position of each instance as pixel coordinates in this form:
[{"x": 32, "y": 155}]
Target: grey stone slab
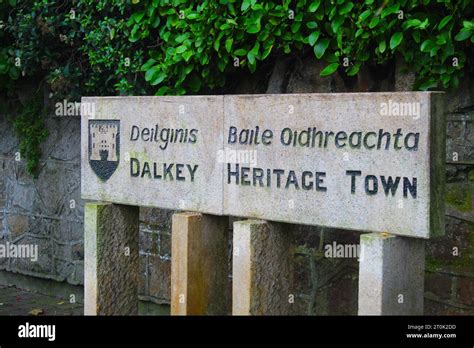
[
  {"x": 391, "y": 275},
  {"x": 358, "y": 122},
  {"x": 181, "y": 173},
  {"x": 199, "y": 267},
  {"x": 262, "y": 261},
  {"x": 111, "y": 259}
]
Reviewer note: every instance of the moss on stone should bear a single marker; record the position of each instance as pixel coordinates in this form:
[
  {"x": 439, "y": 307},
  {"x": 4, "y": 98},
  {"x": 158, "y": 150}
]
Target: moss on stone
[
  {"x": 464, "y": 261},
  {"x": 470, "y": 176},
  {"x": 459, "y": 196}
]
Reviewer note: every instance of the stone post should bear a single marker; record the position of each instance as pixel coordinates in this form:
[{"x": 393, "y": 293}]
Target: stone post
[
  {"x": 111, "y": 259},
  {"x": 391, "y": 275},
  {"x": 261, "y": 273},
  {"x": 199, "y": 264}
]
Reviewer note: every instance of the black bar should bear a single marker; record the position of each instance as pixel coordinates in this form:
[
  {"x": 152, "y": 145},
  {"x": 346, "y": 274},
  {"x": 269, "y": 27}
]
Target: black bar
[{"x": 167, "y": 330}]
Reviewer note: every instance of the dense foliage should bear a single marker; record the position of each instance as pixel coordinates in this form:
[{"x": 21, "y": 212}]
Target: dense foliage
[{"x": 100, "y": 47}]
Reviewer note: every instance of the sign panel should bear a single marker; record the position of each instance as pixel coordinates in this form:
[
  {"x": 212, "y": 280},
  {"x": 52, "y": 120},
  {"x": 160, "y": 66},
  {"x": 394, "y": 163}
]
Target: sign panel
[
  {"x": 153, "y": 151},
  {"x": 362, "y": 161},
  {"x": 359, "y": 161}
]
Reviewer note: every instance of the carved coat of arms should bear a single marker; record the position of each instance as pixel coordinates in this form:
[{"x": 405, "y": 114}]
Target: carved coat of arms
[{"x": 104, "y": 147}]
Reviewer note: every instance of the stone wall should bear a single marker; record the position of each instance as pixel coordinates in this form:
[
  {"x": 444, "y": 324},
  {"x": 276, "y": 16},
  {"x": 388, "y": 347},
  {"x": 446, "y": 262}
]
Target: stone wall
[{"x": 48, "y": 211}]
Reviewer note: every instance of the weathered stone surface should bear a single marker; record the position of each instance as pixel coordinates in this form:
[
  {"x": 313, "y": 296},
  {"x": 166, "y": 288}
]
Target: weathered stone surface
[
  {"x": 148, "y": 242},
  {"x": 454, "y": 252},
  {"x": 9, "y": 143},
  {"x": 305, "y": 78},
  {"x": 111, "y": 259},
  {"x": 262, "y": 268},
  {"x": 249, "y": 192},
  {"x": 460, "y": 139},
  {"x": 466, "y": 290},
  {"x": 199, "y": 264},
  {"x": 23, "y": 196},
  {"x": 438, "y": 284},
  {"x": 195, "y": 179},
  {"x": 159, "y": 278},
  {"x": 143, "y": 279},
  {"x": 405, "y": 78},
  {"x": 161, "y": 218},
  {"x": 165, "y": 242},
  {"x": 391, "y": 275},
  {"x": 43, "y": 266},
  {"x": 462, "y": 97},
  {"x": 39, "y": 211},
  {"x": 279, "y": 76},
  {"x": 17, "y": 224},
  {"x": 77, "y": 275},
  {"x": 78, "y": 251},
  {"x": 63, "y": 144},
  {"x": 342, "y": 293},
  {"x": 155, "y": 254}
]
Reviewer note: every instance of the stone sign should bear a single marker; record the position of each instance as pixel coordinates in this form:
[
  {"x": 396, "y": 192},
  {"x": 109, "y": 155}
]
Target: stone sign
[{"x": 360, "y": 161}]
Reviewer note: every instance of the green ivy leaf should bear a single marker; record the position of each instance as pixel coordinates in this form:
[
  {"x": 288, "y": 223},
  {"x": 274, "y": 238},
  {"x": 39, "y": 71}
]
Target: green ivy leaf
[
  {"x": 240, "y": 52},
  {"x": 346, "y": 8},
  {"x": 321, "y": 47},
  {"x": 373, "y": 22},
  {"x": 162, "y": 90},
  {"x": 396, "y": 40},
  {"x": 150, "y": 73},
  {"x": 431, "y": 83},
  {"x": 314, "y": 6},
  {"x": 228, "y": 44},
  {"x": 336, "y": 23},
  {"x": 328, "y": 70},
  {"x": 353, "y": 70},
  {"x": 155, "y": 75},
  {"x": 412, "y": 23},
  {"x": 148, "y": 64},
  {"x": 416, "y": 36},
  {"x": 137, "y": 16},
  {"x": 468, "y": 24},
  {"x": 390, "y": 10},
  {"x": 295, "y": 27},
  {"x": 254, "y": 28},
  {"x": 187, "y": 55},
  {"x": 251, "y": 57},
  {"x": 382, "y": 46},
  {"x": 427, "y": 45},
  {"x": 463, "y": 35},
  {"x": 444, "y": 21},
  {"x": 313, "y": 37},
  {"x": 181, "y": 49},
  {"x": 245, "y": 5},
  {"x": 364, "y": 15},
  {"x": 180, "y": 38}
]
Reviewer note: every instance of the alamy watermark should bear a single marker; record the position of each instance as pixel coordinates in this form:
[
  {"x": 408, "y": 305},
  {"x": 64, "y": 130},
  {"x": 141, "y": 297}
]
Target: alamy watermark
[
  {"x": 228, "y": 155},
  {"x": 20, "y": 251},
  {"x": 393, "y": 108},
  {"x": 67, "y": 108},
  {"x": 343, "y": 251},
  {"x": 37, "y": 331}
]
